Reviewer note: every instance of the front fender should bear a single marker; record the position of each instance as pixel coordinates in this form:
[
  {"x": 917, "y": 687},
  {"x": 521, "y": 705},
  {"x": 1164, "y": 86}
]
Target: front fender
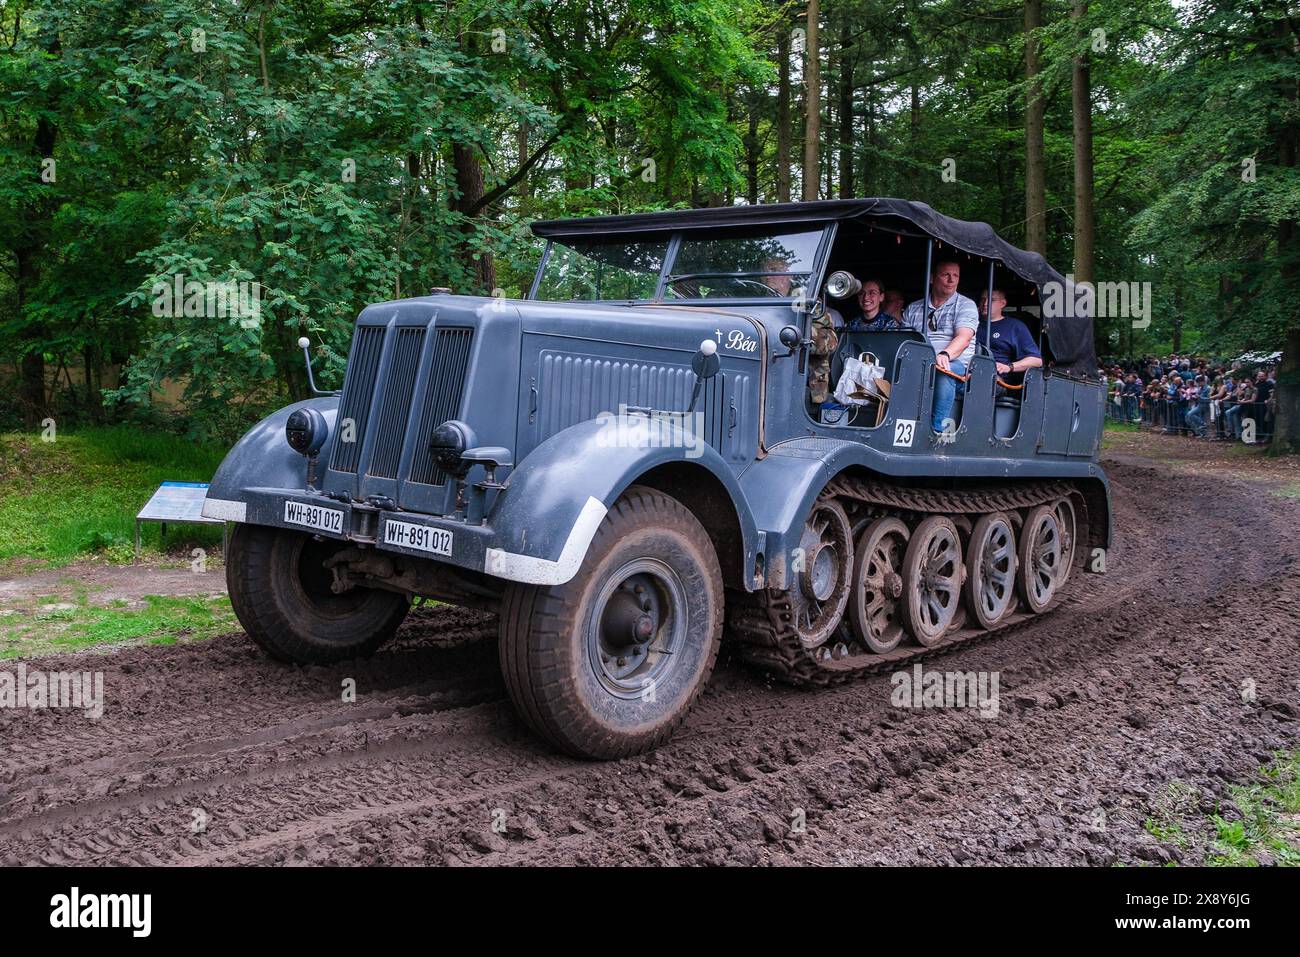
[
  {"x": 553, "y": 501},
  {"x": 263, "y": 458}
]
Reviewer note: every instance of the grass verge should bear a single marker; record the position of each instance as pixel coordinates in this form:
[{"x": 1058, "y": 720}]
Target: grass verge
[
  {"x": 78, "y": 495},
  {"x": 1268, "y": 830},
  {"x": 1261, "y": 827},
  {"x": 64, "y": 626}
]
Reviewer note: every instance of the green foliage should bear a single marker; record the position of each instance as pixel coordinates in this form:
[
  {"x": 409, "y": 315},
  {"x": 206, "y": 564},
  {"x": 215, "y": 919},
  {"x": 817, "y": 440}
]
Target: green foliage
[
  {"x": 342, "y": 153},
  {"x": 1270, "y": 818},
  {"x": 1225, "y": 114}
]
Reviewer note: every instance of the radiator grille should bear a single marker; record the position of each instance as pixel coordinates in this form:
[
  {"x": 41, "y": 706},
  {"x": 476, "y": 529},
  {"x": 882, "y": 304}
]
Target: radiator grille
[
  {"x": 442, "y": 398},
  {"x": 358, "y": 390},
  {"x": 394, "y": 407}
]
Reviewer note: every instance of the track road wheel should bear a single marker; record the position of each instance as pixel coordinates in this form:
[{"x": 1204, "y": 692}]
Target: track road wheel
[
  {"x": 1065, "y": 519},
  {"x": 280, "y": 589},
  {"x": 874, "y": 611},
  {"x": 1039, "y": 575},
  {"x": 608, "y": 664},
  {"x": 991, "y": 569},
  {"x": 932, "y": 577},
  {"x": 825, "y": 566}
]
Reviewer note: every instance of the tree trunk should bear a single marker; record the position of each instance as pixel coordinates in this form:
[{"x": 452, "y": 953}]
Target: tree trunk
[
  {"x": 869, "y": 111},
  {"x": 914, "y": 134},
  {"x": 783, "y": 114},
  {"x": 1286, "y": 423},
  {"x": 1035, "y": 115},
  {"x": 31, "y": 394},
  {"x": 524, "y": 189},
  {"x": 1081, "y": 98},
  {"x": 714, "y": 197},
  {"x": 751, "y": 150},
  {"x": 829, "y": 120},
  {"x": 469, "y": 187},
  {"x": 469, "y": 183},
  {"x": 846, "y": 109},
  {"x": 812, "y": 104},
  {"x": 28, "y": 254},
  {"x": 1286, "y": 426}
]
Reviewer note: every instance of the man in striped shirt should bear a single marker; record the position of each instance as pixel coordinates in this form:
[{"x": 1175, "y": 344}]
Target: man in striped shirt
[{"x": 949, "y": 320}]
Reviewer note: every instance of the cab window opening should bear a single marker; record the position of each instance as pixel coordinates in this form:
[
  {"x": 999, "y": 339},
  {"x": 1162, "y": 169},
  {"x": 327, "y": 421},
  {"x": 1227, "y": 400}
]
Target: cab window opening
[{"x": 892, "y": 253}]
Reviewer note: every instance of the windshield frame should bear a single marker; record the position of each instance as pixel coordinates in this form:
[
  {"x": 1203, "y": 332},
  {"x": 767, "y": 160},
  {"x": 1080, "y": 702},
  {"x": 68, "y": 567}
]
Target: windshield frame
[{"x": 813, "y": 291}]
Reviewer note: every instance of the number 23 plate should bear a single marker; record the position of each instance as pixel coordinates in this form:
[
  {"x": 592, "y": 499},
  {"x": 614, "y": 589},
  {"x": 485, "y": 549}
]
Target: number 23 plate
[{"x": 904, "y": 432}]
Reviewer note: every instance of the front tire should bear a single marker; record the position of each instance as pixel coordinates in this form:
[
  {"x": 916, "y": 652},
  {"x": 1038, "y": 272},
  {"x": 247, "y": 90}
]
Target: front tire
[
  {"x": 608, "y": 664},
  {"x": 280, "y": 590}
]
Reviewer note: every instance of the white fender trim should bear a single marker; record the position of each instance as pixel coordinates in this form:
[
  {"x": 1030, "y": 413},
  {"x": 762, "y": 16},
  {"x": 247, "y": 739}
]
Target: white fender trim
[
  {"x": 543, "y": 571},
  {"x": 224, "y": 509}
]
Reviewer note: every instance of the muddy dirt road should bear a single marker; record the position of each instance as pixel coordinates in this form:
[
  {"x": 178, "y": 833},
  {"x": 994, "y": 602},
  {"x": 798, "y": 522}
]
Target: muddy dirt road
[{"x": 1127, "y": 695}]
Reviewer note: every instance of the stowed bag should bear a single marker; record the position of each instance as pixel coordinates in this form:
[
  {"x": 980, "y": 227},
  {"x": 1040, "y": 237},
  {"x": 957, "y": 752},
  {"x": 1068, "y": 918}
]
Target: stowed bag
[{"x": 862, "y": 381}]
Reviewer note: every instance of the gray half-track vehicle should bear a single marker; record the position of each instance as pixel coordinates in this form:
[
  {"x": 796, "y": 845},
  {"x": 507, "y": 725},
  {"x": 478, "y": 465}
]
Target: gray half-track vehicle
[{"x": 639, "y": 458}]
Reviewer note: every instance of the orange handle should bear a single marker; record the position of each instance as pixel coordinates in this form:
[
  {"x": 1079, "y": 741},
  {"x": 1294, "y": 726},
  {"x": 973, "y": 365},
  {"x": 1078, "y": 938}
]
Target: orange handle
[
  {"x": 959, "y": 378},
  {"x": 1008, "y": 385}
]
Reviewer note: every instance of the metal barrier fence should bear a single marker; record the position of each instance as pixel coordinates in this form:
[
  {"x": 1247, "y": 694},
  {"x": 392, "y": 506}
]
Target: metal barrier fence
[{"x": 1220, "y": 421}]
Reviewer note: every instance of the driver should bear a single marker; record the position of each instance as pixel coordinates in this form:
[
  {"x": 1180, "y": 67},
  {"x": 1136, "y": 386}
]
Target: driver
[{"x": 773, "y": 266}]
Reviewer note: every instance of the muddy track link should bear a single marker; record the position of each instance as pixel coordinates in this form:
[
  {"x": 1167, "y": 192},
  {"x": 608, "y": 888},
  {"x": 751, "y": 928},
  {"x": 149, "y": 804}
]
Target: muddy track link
[{"x": 761, "y": 624}]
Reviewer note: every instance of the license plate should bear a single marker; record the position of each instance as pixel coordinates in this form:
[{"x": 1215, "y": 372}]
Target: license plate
[
  {"x": 409, "y": 535},
  {"x": 313, "y": 516}
]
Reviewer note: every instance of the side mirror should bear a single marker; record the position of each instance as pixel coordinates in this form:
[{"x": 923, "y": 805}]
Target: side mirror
[{"x": 791, "y": 338}]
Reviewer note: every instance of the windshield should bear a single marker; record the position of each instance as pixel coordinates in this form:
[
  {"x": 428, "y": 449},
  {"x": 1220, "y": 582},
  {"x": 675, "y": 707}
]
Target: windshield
[
  {"x": 731, "y": 264},
  {"x": 601, "y": 269},
  {"x": 743, "y": 265}
]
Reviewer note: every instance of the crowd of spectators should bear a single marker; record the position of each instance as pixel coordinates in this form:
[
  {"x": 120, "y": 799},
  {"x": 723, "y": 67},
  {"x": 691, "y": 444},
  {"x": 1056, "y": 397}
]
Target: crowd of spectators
[{"x": 1191, "y": 395}]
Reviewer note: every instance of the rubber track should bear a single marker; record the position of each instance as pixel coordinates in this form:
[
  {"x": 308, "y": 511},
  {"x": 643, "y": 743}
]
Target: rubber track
[{"x": 761, "y": 622}]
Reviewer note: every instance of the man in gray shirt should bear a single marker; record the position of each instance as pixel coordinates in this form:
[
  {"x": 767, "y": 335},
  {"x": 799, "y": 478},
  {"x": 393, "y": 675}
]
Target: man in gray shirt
[{"x": 949, "y": 320}]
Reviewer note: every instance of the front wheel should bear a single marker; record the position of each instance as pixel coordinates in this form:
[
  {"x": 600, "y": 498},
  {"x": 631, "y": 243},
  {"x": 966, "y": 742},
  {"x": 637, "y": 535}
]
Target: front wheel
[
  {"x": 280, "y": 590},
  {"x": 608, "y": 664}
]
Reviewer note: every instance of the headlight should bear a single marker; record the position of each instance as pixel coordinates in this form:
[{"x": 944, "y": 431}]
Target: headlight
[
  {"x": 306, "y": 431},
  {"x": 448, "y": 442}
]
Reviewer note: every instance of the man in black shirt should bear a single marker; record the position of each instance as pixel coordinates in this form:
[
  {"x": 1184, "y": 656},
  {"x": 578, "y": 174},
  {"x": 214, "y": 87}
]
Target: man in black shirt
[
  {"x": 1264, "y": 385},
  {"x": 1011, "y": 342}
]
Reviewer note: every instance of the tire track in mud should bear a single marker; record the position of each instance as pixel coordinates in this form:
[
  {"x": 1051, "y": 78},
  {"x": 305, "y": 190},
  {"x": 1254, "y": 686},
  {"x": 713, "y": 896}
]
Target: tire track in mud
[{"x": 1103, "y": 700}]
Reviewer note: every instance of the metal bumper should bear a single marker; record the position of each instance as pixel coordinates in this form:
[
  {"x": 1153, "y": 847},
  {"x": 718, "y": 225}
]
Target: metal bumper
[{"x": 456, "y": 542}]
